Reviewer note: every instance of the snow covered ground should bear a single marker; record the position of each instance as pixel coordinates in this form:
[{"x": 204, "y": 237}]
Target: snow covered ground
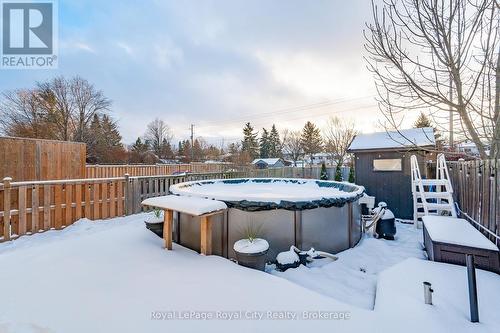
[
  {"x": 399, "y": 290},
  {"x": 114, "y": 276},
  {"x": 353, "y": 278}
]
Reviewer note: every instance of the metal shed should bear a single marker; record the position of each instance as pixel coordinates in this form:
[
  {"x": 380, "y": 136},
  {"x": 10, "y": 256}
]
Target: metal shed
[{"x": 382, "y": 164}]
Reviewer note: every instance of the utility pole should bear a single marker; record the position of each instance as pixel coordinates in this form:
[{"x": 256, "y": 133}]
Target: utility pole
[
  {"x": 192, "y": 142},
  {"x": 451, "y": 115}
]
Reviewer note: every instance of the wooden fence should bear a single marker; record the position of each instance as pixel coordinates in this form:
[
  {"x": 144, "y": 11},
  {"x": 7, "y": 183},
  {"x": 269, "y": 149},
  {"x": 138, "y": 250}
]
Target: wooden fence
[
  {"x": 104, "y": 171},
  {"x": 476, "y": 186},
  {"x": 293, "y": 172},
  {"x": 25, "y": 159},
  {"x": 33, "y": 206},
  {"x": 36, "y": 206}
]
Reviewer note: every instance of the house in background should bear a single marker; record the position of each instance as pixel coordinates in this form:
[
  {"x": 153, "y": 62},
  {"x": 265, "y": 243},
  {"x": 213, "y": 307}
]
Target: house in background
[
  {"x": 264, "y": 163},
  {"x": 467, "y": 148},
  {"x": 382, "y": 164},
  {"x": 319, "y": 158}
]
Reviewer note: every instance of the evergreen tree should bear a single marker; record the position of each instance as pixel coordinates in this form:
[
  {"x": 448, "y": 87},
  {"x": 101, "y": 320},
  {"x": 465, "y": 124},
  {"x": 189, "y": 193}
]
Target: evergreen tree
[
  {"x": 275, "y": 143},
  {"x": 198, "y": 153},
  {"x": 138, "y": 151},
  {"x": 186, "y": 149},
  {"x": 166, "y": 149},
  {"x": 351, "y": 174},
  {"x": 324, "y": 173},
  {"x": 180, "y": 149},
  {"x": 213, "y": 153},
  {"x": 234, "y": 149},
  {"x": 91, "y": 140},
  {"x": 139, "y": 146},
  {"x": 104, "y": 145},
  {"x": 338, "y": 173},
  {"x": 110, "y": 132},
  {"x": 422, "y": 121},
  {"x": 250, "y": 144},
  {"x": 311, "y": 140},
  {"x": 265, "y": 144}
]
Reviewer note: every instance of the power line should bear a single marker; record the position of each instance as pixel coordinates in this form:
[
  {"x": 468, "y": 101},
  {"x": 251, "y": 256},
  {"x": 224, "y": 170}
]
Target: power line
[
  {"x": 307, "y": 116},
  {"x": 307, "y": 107},
  {"x": 192, "y": 142}
]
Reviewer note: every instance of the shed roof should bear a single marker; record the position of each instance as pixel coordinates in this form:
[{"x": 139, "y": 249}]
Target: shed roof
[{"x": 408, "y": 138}]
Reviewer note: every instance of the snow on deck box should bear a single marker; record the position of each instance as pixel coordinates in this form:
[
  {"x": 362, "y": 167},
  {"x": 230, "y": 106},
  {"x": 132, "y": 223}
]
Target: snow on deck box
[{"x": 448, "y": 240}]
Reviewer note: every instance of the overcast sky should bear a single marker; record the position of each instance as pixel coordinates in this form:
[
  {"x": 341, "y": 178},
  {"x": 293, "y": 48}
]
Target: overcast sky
[{"x": 217, "y": 64}]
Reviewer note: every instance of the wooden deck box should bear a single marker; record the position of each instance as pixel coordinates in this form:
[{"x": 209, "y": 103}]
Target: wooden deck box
[{"x": 449, "y": 239}]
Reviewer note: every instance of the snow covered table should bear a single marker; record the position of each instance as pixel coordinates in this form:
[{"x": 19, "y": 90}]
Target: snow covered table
[
  {"x": 449, "y": 239},
  {"x": 200, "y": 207}
]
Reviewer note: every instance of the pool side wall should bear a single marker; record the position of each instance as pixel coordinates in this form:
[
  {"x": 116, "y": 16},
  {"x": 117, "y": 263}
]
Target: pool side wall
[{"x": 331, "y": 229}]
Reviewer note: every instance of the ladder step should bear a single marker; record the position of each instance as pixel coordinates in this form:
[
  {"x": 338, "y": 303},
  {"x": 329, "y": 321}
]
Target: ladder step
[
  {"x": 433, "y": 206},
  {"x": 443, "y": 194},
  {"x": 429, "y": 182},
  {"x": 435, "y": 195}
]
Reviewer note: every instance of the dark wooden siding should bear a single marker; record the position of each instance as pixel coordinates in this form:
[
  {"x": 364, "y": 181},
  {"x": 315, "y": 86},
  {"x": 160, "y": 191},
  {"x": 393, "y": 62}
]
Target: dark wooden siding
[{"x": 393, "y": 187}]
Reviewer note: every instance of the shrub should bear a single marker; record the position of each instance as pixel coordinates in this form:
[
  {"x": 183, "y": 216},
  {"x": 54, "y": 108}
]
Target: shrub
[
  {"x": 324, "y": 174},
  {"x": 338, "y": 173},
  {"x": 351, "y": 174}
]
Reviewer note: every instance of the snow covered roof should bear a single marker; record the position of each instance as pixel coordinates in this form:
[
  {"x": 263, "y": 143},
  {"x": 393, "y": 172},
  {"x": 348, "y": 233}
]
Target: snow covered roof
[
  {"x": 268, "y": 161},
  {"x": 394, "y": 139}
]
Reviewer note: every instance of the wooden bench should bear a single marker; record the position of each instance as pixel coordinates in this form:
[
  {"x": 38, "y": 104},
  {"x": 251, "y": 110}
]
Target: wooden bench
[
  {"x": 449, "y": 239},
  {"x": 203, "y": 208}
]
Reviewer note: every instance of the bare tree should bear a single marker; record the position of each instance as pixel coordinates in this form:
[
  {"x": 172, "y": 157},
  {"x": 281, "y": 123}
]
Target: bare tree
[
  {"x": 292, "y": 145},
  {"x": 88, "y": 101},
  {"x": 58, "y": 103},
  {"x": 157, "y": 135},
  {"x": 58, "y": 109},
  {"x": 22, "y": 116},
  {"x": 443, "y": 56},
  {"x": 338, "y": 134}
]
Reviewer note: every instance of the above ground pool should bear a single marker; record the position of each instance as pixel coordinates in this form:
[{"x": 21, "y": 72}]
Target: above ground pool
[{"x": 306, "y": 213}]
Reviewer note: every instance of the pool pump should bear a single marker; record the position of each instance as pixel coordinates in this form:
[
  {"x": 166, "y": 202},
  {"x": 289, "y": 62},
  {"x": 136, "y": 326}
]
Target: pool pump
[{"x": 386, "y": 226}]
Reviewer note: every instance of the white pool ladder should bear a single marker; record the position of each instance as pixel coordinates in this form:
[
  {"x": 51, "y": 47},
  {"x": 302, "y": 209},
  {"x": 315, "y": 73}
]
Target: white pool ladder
[{"x": 442, "y": 196}]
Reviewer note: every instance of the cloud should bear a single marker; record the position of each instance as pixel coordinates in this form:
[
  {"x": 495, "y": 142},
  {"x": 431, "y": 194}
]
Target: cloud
[
  {"x": 75, "y": 46},
  {"x": 316, "y": 75},
  {"x": 166, "y": 55},
  {"x": 125, "y": 47},
  {"x": 215, "y": 64}
]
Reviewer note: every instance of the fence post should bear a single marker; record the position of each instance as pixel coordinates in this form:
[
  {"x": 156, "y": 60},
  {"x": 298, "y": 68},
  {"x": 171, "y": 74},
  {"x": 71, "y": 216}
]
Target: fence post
[
  {"x": 6, "y": 208},
  {"x": 127, "y": 195},
  {"x": 471, "y": 277},
  {"x": 136, "y": 194}
]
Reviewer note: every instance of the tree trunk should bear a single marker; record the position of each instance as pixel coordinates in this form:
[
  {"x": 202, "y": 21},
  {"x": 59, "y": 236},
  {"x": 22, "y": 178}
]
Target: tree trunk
[
  {"x": 495, "y": 144},
  {"x": 472, "y": 132}
]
